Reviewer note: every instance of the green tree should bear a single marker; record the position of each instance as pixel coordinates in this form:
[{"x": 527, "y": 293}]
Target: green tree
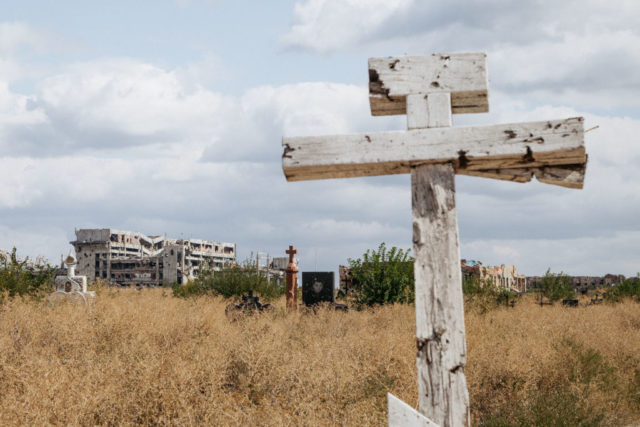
[
  {"x": 483, "y": 295},
  {"x": 20, "y": 278},
  {"x": 556, "y": 286},
  {"x": 628, "y": 288},
  {"x": 230, "y": 282},
  {"x": 383, "y": 276}
]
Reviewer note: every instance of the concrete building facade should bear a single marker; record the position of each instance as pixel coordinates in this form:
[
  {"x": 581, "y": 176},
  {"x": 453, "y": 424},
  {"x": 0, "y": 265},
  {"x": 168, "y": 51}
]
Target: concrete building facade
[
  {"x": 130, "y": 258},
  {"x": 503, "y": 276},
  {"x": 584, "y": 283},
  {"x": 4, "y": 256}
]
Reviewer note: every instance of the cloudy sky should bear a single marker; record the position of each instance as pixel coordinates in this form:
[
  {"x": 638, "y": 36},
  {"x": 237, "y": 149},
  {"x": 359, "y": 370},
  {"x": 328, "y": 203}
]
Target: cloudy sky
[{"x": 166, "y": 116}]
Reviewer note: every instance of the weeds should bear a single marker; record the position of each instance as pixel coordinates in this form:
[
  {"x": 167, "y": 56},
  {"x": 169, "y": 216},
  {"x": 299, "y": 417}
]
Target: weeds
[
  {"x": 138, "y": 357},
  {"x": 482, "y": 295},
  {"x": 383, "y": 276},
  {"x": 628, "y": 288},
  {"x": 23, "y": 279},
  {"x": 230, "y": 282}
]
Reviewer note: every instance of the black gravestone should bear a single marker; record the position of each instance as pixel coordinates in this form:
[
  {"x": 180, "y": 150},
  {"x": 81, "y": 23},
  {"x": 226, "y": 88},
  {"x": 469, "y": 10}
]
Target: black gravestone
[{"x": 317, "y": 286}]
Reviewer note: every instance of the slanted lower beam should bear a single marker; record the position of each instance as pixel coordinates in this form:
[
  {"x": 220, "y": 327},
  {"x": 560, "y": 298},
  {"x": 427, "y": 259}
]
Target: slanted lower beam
[
  {"x": 403, "y": 415},
  {"x": 570, "y": 176},
  {"x": 481, "y": 148}
]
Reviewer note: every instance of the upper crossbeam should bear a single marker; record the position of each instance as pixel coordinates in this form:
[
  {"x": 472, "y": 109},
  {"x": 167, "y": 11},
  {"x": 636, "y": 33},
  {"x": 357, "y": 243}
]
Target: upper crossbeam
[
  {"x": 463, "y": 75},
  {"x": 489, "y": 150}
]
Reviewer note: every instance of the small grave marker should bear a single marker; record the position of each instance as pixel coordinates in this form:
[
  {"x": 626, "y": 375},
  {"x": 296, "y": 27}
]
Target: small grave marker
[
  {"x": 317, "y": 287},
  {"x": 71, "y": 286},
  {"x": 428, "y": 89}
]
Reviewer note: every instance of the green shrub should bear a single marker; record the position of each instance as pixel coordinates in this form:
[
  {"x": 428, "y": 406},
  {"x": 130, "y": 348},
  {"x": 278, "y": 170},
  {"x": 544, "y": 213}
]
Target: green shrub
[
  {"x": 628, "y": 288},
  {"x": 383, "y": 276},
  {"x": 557, "y": 286},
  {"x": 19, "y": 278},
  {"x": 482, "y": 294},
  {"x": 230, "y": 282}
]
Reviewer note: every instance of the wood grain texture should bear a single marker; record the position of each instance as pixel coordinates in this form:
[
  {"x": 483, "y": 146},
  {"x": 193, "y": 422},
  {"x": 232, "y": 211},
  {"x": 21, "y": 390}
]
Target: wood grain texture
[
  {"x": 440, "y": 334},
  {"x": 464, "y": 75},
  {"x": 506, "y": 146},
  {"x": 570, "y": 176},
  {"x": 429, "y": 111},
  {"x": 440, "y": 330},
  {"x": 403, "y": 415}
]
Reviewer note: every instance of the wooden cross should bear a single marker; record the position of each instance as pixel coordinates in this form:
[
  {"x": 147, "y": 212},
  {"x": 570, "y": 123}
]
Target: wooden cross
[
  {"x": 428, "y": 89},
  {"x": 292, "y": 280},
  {"x": 291, "y": 252}
]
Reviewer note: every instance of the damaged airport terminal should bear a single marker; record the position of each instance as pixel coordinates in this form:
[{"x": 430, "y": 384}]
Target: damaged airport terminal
[{"x": 130, "y": 258}]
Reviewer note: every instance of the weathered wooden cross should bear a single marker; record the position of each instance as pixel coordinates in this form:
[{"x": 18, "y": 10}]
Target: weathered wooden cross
[
  {"x": 428, "y": 89},
  {"x": 292, "y": 281}
]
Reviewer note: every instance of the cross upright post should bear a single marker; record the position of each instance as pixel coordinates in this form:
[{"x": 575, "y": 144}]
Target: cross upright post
[
  {"x": 428, "y": 89},
  {"x": 292, "y": 282},
  {"x": 440, "y": 333}
]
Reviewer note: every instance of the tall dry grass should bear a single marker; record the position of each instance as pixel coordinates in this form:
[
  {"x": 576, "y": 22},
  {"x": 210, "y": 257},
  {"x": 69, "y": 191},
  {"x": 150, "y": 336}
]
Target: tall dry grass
[{"x": 149, "y": 358}]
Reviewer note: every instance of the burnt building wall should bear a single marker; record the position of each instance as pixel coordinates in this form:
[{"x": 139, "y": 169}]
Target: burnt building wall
[{"x": 132, "y": 258}]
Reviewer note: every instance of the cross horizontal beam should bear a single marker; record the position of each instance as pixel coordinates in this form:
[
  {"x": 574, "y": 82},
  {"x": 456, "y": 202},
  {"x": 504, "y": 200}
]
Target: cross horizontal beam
[
  {"x": 570, "y": 176},
  {"x": 550, "y": 150},
  {"x": 464, "y": 75}
]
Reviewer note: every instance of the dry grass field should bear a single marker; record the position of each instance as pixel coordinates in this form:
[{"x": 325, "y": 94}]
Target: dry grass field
[{"x": 145, "y": 357}]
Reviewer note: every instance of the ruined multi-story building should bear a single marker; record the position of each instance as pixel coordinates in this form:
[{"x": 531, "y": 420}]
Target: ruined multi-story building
[
  {"x": 503, "y": 276},
  {"x": 584, "y": 283},
  {"x": 4, "y": 256},
  {"x": 131, "y": 258}
]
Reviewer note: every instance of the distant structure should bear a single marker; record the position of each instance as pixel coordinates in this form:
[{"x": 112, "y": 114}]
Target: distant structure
[
  {"x": 503, "y": 276},
  {"x": 130, "y": 258},
  {"x": 40, "y": 261},
  {"x": 4, "y": 256},
  {"x": 69, "y": 284},
  {"x": 345, "y": 279},
  {"x": 583, "y": 283},
  {"x": 277, "y": 267}
]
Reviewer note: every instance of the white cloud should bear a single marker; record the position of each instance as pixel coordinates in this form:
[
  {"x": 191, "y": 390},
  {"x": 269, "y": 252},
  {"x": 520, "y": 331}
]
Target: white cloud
[
  {"x": 17, "y": 110},
  {"x": 20, "y": 47},
  {"x": 325, "y": 25},
  {"x": 33, "y": 241},
  {"x": 125, "y": 143},
  {"x": 130, "y": 97},
  {"x": 267, "y": 113},
  {"x": 18, "y": 35},
  {"x": 578, "y": 256},
  {"x": 582, "y": 51}
]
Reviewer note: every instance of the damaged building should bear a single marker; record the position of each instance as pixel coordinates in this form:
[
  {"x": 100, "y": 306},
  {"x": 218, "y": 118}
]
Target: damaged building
[
  {"x": 5, "y": 257},
  {"x": 503, "y": 276},
  {"x": 130, "y": 258},
  {"x": 28, "y": 263},
  {"x": 584, "y": 283}
]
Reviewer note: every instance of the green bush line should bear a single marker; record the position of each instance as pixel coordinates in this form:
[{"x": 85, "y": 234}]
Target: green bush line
[
  {"x": 628, "y": 288},
  {"x": 383, "y": 276},
  {"x": 18, "y": 278},
  {"x": 230, "y": 282}
]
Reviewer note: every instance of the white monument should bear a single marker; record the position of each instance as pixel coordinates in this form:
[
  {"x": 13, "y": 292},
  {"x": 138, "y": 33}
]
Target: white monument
[
  {"x": 71, "y": 286},
  {"x": 429, "y": 89}
]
